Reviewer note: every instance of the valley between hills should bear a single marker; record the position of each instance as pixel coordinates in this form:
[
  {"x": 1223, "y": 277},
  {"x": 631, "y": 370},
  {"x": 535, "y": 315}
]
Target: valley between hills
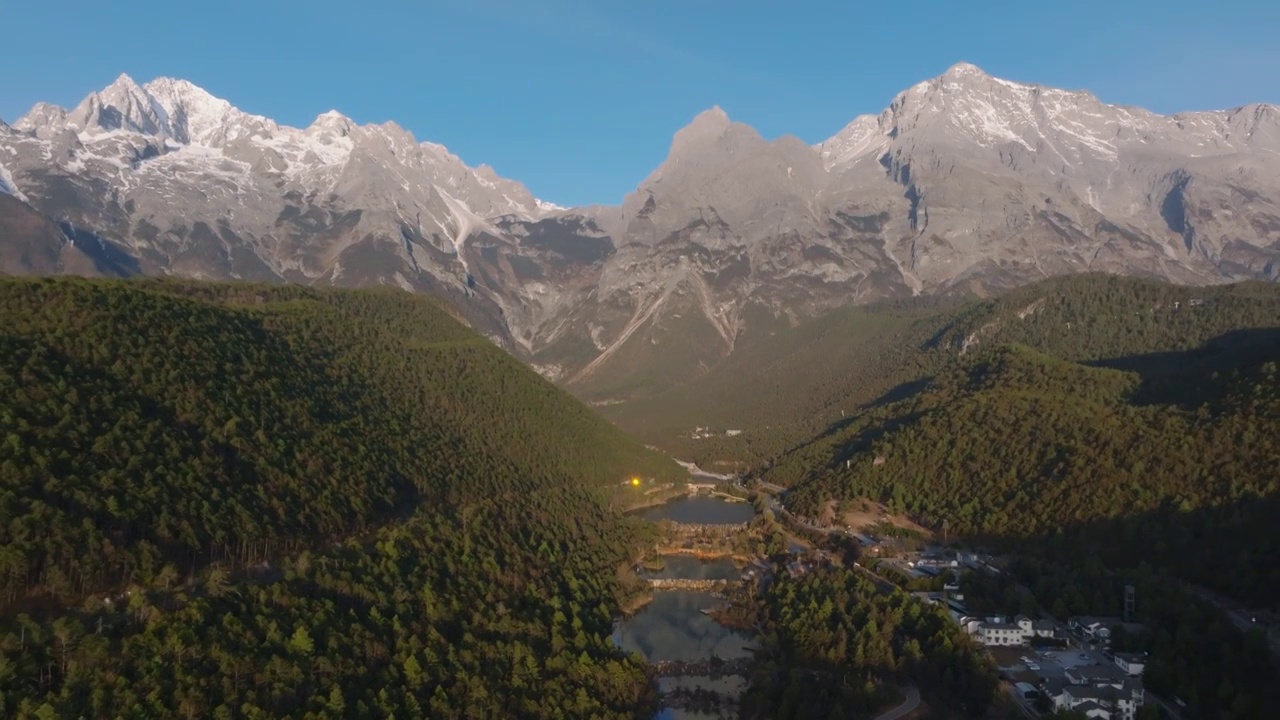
[
  {"x": 323, "y": 423},
  {"x": 345, "y": 503}
]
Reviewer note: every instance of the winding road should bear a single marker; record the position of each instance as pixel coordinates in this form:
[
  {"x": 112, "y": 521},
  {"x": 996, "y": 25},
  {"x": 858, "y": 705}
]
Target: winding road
[
  {"x": 1244, "y": 620},
  {"x": 911, "y": 703},
  {"x": 775, "y": 489}
]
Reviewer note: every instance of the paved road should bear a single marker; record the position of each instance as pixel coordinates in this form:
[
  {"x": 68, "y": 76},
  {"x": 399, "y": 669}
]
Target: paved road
[
  {"x": 775, "y": 489},
  {"x": 882, "y": 583},
  {"x": 911, "y": 703},
  {"x": 1242, "y": 619},
  {"x": 1173, "y": 712},
  {"x": 1020, "y": 701}
]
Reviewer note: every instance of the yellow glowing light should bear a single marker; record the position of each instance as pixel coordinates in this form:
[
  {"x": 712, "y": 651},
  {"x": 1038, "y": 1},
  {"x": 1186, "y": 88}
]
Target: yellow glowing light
[{"x": 635, "y": 482}]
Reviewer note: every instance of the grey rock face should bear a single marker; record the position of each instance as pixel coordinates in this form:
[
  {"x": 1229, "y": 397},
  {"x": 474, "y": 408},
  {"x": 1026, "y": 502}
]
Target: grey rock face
[
  {"x": 184, "y": 183},
  {"x": 1043, "y": 181},
  {"x": 964, "y": 183}
]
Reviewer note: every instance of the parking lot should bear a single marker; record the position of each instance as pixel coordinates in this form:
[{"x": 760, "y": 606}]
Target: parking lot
[{"x": 1023, "y": 664}]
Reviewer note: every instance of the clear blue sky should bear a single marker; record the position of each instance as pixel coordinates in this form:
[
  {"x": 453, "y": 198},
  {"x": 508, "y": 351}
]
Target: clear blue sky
[{"x": 579, "y": 98}]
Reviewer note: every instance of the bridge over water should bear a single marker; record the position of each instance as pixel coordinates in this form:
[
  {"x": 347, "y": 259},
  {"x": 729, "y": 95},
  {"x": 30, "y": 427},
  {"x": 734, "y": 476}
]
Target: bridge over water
[
  {"x": 713, "y": 668},
  {"x": 689, "y": 584},
  {"x": 698, "y": 529}
]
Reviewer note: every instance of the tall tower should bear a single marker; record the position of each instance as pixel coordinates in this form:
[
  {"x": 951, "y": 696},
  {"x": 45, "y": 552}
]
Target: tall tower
[{"x": 1129, "y": 601}]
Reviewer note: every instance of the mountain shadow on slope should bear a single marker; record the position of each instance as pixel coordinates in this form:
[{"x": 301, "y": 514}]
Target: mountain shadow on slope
[
  {"x": 1192, "y": 378},
  {"x": 277, "y": 502},
  {"x": 188, "y": 423},
  {"x": 787, "y": 386},
  {"x": 1217, "y": 656},
  {"x": 108, "y": 257},
  {"x": 1014, "y": 443}
]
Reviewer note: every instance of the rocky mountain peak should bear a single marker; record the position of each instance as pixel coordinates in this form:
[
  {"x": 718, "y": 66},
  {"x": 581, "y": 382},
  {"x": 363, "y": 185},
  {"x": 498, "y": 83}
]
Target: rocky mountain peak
[
  {"x": 165, "y": 108},
  {"x": 966, "y": 107},
  {"x": 707, "y": 128},
  {"x": 963, "y": 71},
  {"x": 193, "y": 114},
  {"x": 965, "y": 182},
  {"x": 712, "y": 118},
  {"x": 720, "y": 173},
  {"x": 861, "y": 138},
  {"x": 42, "y": 119},
  {"x": 332, "y": 121},
  {"x": 1255, "y": 124},
  {"x": 122, "y": 105},
  {"x": 701, "y": 150},
  {"x": 123, "y": 85}
]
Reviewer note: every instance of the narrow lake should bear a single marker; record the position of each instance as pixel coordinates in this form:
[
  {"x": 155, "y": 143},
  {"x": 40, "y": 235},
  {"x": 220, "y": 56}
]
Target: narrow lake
[
  {"x": 701, "y": 510},
  {"x": 672, "y": 626},
  {"x": 687, "y": 566}
]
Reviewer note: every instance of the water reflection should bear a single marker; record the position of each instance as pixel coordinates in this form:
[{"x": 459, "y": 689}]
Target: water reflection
[
  {"x": 673, "y": 627},
  {"x": 732, "y": 686},
  {"x": 687, "y": 566},
  {"x": 700, "y": 509}
]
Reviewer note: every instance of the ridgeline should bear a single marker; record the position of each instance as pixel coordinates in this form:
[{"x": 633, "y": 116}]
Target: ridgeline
[{"x": 247, "y": 501}]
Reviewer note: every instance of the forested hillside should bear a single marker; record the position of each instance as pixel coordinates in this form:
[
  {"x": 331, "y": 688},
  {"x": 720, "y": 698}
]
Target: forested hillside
[
  {"x": 1175, "y": 468},
  {"x": 784, "y": 386},
  {"x": 1132, "y": 415},
  {"x": 275, "y": 501},
  {"x": 837, "y": 645},
  {"x": 781, "y": 387},
  {"x": 1096, "y": 432}
]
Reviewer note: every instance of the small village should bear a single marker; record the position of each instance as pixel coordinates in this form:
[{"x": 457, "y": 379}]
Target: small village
[
  {"x": 1046, "y": 664},
  {"x": 1064, "y": 666}
]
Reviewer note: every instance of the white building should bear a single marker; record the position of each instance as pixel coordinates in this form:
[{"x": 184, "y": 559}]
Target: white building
[
  {"x": 1120, "y": 702},
  {"x": 995, "y": 633},
  {"x": 1093, "y": 628},
  {"x": 1019, "y": 632},
  {"x": 1095, "y": 675},
  {"x": 1132, "y": 664}
]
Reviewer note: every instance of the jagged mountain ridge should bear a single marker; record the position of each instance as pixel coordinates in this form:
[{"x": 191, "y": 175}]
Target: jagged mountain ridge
[
  {"x": 1117, "y": 174},
  {"x": 965, "y": 183},
  {"x": 184, "y": 183}
]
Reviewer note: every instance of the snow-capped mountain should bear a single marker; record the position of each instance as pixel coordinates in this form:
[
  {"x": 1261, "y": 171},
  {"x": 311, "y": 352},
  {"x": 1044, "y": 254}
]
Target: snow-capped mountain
[
  {"x": 182, "y": 182},
  {"x": 1023, "y": 179},
  {"x": 8, "y": 186},
  {"x": 1070, "y": 130},
  {"x": 126, "y": 126},
  {"x": 965, "y": 182}
]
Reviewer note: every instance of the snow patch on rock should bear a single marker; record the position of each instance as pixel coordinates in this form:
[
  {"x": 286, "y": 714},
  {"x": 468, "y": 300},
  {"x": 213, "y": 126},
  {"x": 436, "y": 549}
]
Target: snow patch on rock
[{"x": 9, "y": 187}]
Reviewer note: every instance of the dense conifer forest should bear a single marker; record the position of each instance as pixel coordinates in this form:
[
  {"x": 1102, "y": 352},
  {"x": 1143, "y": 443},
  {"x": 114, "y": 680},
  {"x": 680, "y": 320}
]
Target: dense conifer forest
[
  {"x": 1129, "y": 416},
  {"x": 785, "y": 385},
  {"x": 243, "y": 501},
  {"x": 836, "y": 645},
  {"x": 1012, "y": 445},
  {"x": 1103, "y": 431}
]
